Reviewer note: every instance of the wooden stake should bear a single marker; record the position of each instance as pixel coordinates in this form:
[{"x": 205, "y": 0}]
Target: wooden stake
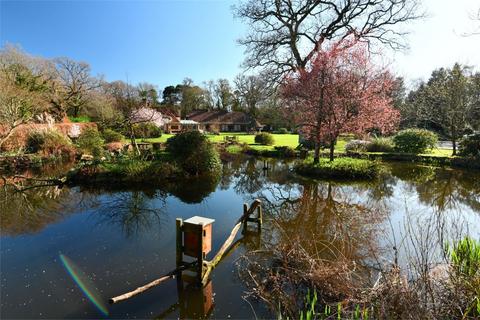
[
  {"x": 179, "y": 250},
  {"x": 259, "y": 218}
]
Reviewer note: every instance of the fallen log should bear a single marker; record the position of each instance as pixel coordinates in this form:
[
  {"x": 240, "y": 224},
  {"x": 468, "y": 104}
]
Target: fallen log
[{"x": 170, "y": 275}]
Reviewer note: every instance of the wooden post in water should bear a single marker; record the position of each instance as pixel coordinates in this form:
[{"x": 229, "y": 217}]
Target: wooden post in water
[
  {"x": 200, "y": 253},
  {"x": 259, "y": 218},
  {"x": 179, "y": 233},
  {"x": 194, "y": 239},
  {"x": 245, "y": 213}
]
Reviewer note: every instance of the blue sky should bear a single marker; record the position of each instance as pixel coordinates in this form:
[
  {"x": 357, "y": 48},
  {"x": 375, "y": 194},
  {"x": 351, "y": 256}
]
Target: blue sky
[{"x": 162, "y": 42}]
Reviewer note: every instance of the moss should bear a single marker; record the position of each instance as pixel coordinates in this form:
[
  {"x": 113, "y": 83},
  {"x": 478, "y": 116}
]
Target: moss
[{"x": 340, "y": 168}]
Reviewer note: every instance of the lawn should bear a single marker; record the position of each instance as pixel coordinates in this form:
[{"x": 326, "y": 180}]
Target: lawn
[{"x": 289, "y": 140}]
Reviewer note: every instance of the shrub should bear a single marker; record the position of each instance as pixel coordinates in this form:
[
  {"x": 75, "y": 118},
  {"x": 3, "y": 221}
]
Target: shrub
[
  {"x": 285, "y": 152},
  {"x": 50, "y": 143},
  {"x": 469, "y": 146},
  {"x": 356, "y": 146},
  {"x": 110, "y": 135},
  {"x": 193, "y": 152},
  {"x": 343, "y": 168},
  {"x": 415, "y": 141},
  {"x": 146, "y": 130},
  {"x": 282, "y": 131},
  {"x": 380, "y": 145},
  {"x": 90, "y": 141},
  {"x": 264, "y": 138}
]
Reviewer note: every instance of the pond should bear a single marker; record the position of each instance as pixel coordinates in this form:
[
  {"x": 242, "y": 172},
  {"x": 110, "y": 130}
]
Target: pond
[{"x": 65, "y": 251}]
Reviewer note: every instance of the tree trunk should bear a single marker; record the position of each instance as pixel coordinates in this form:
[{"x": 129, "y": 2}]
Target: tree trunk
[
  {"x": 134, "y": 141},
  {"x": 332, "y": 149},
  {"x": 316, "y": 156},
  {"x": 454, "y": 145}
]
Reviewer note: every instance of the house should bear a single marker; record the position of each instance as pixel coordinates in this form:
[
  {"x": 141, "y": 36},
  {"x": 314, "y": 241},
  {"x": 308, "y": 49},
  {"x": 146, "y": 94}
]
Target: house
[
  {"x": 173, "y": 124},
  {"x": 224, "y": 121}
]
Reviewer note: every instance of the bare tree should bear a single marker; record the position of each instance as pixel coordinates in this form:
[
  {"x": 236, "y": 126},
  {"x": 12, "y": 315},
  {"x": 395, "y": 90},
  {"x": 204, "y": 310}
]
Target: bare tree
[
  {"x": 71, "y": 86},
  {"x": 252, "y": 90},
  {"x": 284, "y": 35},
  {"x": 22, "y": 90}
]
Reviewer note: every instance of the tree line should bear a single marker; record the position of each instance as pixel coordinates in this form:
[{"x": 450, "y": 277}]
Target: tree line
[{"x": 447, "y": 103}]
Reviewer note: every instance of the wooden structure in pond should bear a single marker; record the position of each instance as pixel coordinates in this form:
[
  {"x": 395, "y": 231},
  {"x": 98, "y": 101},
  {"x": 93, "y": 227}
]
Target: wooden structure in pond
[{"x": 194, "y": 240}]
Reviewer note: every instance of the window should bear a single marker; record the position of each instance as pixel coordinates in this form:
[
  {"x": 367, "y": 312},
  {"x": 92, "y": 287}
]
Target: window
[{"x": 237, "y": 127}]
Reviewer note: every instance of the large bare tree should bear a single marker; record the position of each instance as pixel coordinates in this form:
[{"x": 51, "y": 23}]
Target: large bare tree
[
  {"x": 71, "y": 86},
  {"x": 251, "y": 90},
  {"x": 285, "y": 34}
]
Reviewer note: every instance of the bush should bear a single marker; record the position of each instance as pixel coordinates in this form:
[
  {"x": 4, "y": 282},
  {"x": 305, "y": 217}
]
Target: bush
[
  {"x": 340, "y": 168},
  {"x": 282, "y": 131},
  {"x": 146, "y": 130},
  {"x": 356, "y": 146},
  {"x": 469, "y": 146},
  {"x": 193, "y": 152},
  {"x": 415, "y": 141},
  {"x": 50, "y": 143},
  {"x": 380, "y": 145},
  {"x": 90, "y": 141},
  {"x": 285, "y": 152},
  {"x": 110, "y": 135},
  {"x": 264, "y": 138}
]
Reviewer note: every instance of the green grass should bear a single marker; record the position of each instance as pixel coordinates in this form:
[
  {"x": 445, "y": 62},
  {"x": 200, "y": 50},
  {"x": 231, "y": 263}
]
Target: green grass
[
  {"x": 80, "y": 119},
  {"x": 288, "y": 140}
]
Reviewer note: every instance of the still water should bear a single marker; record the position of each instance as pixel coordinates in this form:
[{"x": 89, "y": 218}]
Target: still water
[{"x": 64, "y": 252}]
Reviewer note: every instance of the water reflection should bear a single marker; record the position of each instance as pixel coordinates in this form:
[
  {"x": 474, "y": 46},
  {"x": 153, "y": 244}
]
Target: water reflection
[
  {"x": 126, "y": 237},
  {"x": 31, "y": 210},
  {"x": 135, "y": 212}
]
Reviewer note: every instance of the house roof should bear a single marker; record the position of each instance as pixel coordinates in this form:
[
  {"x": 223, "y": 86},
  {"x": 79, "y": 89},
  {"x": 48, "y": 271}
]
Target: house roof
[{"x": 223, "y": 117}]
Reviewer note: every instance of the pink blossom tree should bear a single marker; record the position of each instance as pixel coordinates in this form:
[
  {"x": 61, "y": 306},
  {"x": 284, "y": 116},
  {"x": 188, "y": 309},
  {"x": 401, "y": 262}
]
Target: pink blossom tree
[{"x": 341, "y": 91}]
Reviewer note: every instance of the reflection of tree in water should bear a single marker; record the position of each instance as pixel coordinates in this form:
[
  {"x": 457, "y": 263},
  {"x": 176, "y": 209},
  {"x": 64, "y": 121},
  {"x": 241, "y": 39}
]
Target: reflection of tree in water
[
  {"x": 317, "y": 236},
  {"x": 250, "y": 177},
  {"x": 324, "y": 215},
  {"x": 193, "y": 190},
  {"x": 31, "y": 210},
  {"x": 442, "y": 188},
  {"x": 134, "y": 211}
]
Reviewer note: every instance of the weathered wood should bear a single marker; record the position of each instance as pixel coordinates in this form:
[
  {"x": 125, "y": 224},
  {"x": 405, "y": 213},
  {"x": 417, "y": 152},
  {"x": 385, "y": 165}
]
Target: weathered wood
[
  {"x": 200, "y": 254},
  {"x": 260, "y": 218},
  {"x": 210, "y": 265},
  {"x": 179, "y": 244},
  {"x": 170, "y": 275}
]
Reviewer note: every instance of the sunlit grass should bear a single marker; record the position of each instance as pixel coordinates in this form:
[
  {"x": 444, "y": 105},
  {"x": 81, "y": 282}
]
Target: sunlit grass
[{"x": 288, "y": 140}]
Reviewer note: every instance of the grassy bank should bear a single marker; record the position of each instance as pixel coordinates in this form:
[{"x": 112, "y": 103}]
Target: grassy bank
[{"x": 340, "y": 168}]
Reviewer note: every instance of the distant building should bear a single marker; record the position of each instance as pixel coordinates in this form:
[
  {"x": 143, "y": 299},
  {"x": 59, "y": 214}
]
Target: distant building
[{"x": 224, "y": 121}]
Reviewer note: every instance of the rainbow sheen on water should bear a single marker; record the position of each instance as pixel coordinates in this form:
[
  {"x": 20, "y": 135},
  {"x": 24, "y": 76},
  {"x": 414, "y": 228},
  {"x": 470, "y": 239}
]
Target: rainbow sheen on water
[{"x": 85, "y": 284}]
